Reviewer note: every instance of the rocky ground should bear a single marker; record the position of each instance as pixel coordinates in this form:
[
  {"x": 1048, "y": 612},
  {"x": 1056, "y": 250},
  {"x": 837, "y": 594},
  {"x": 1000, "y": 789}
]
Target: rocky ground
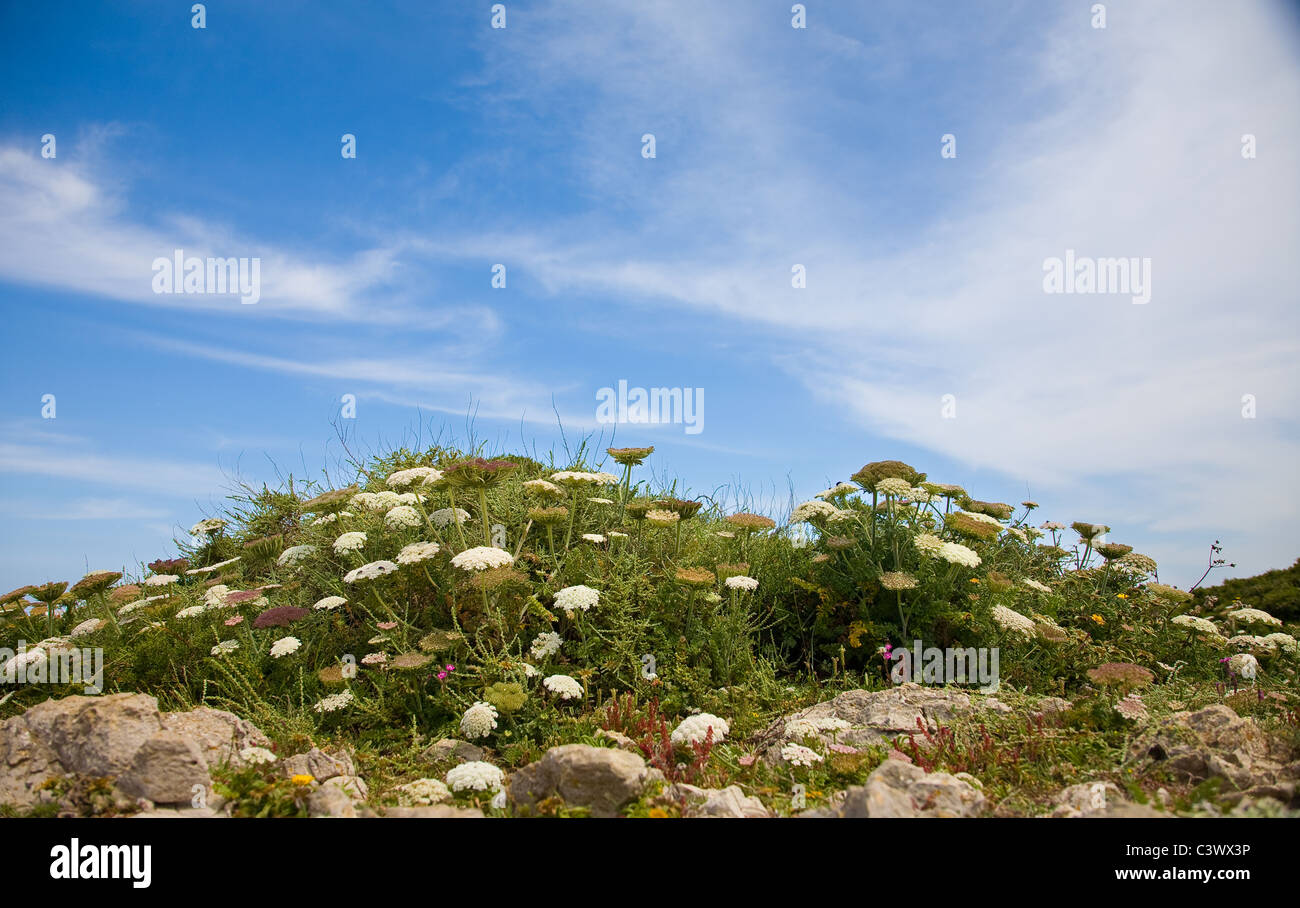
[{"x": 119, "y": 755}]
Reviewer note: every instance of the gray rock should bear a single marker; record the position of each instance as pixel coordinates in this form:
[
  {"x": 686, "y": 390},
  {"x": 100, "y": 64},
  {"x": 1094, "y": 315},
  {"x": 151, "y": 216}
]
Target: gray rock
[
  {"x": 600, "y": 778},
  {"x": 716, "y": 802},
  {"x": 318, "y": 764},
  {"x": 167, "y": 769},
  {"x": 899, "y": 789},
  {"x": 152, "y": 755},
  {"x": 450, "y": 750}
]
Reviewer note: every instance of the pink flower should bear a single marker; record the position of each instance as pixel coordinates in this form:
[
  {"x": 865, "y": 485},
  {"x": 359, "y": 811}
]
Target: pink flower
[
  {"x": 747, "y": 760},
  {"x": 387, "y": 625},
  {"x": 231, "y": 622},
  {"x": 451, "y": 668},
  {"x": 843, "y": 749},
  {"x": 442, "y": 676}
]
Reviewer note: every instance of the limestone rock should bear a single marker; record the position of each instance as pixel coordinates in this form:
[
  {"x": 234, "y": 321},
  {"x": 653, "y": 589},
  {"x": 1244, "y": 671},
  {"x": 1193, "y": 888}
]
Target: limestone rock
[
  {"x": 716, "y": 802},
  {"x": 899, "y": 789},
  {"x": 601, "y": 778},
  {"x": 450, "y": 750}
]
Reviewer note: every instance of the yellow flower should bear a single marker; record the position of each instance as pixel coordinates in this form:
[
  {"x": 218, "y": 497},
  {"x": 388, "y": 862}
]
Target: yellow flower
[
  {"x": 1122, "y": 595},
  {"x": 974, "y": 580},
  {"x": 303, "y": 778},
  {"x": 1099, "y": 619},
  {"x": 657, "y": 813}
]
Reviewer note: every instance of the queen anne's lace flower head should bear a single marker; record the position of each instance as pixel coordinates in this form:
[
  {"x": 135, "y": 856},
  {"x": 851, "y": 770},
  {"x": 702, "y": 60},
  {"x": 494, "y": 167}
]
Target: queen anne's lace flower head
[
  {"x": 1012, "y": 621},
  {"x": 474, "y": 775},
  {"x": 812, "y": 510},
  {"x": 546, "y": 644},
  {"x": 425, "y": 476},
  {"x": 577, "y": 599},
  {"x": 479, "y": 720},
  {"x": 285, "y": 646},
  {"x": 742, "y": 583},
  {"x": 86, "y": 627},
  {"x": 1035, "y": 585},
  {"x": 192, "y": 612},
  {"x": 443, "y": 517},
  {"x": 329, "y": 603},
  {"x": 898, "y": 488},
  {"x": 402, "y": 517},
  {"x": 225, "y": 647},
  {"x": 956, "y": 553},
  {"x": 256, "y": 755},
  {"x": 417, "y": 552},
  {"x": 1253, "y": 616},
  {"x": 563, "y": 686},
  {"x": 369, "y": 571},
  {"x": 694, "y": 729},
  {"x": 207, "y": 527},
  {"x": 294, "y": 554},
  {"x": 927, "y": 543},
  {"x": 350, "y": 542},
  {"x": 334, "y": 702},
  {"x": 422, "y": 792},
  {"x": 798, "y": 755},
  {"x": 1196, "y": 623},
  {"x": 482, "y": 558}
]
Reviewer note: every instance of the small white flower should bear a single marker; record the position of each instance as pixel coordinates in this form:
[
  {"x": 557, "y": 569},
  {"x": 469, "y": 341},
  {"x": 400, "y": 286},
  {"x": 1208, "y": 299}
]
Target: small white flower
[
  {"x": 369, "y": 571},
  {"x": 475, "y": 775},
  {"x": 798, "y": 755},
  {"x": 256, "y": 755},
  {"x": 1245, "y": 665},
  {"x": 329, "y": 603},
  {"x": 1253, "y": 616},
  {"x": 481, "y": 558},
  {"x": 378, "y": 658},
  {"x": 563, "y": 686},
  {"x": 546, "y": 644},
  {"x": 225, "y": 647},
  {"x": 695, "y": 729},
  {"x": 192, "y": 612},
  {"x": 1196, "y": 623},
  {"x": 334, "y": 702},
  {"x": 417, "y": 552},
  {"x": 350, "y": 542},
  {"x": 87, "y": 627},
  {"x": 577, "y": 599},
  {"x": 423, "y": 792},
  {"x": 593, "y": 537},
  {"x": 1035, "y": 585},
  {"x": 479, "y": 720},
  {"x": 425, "y": 476},
  {"x": 160, "y": 580},
  {"x": 285, "y": 646},
  {"x": 207, "y": 527},
  {"x": 1012, "y": 621},
  {"x": 742, "y": 583},
  {"x": 956, "y": 553},
  {"x": 402, "y": 517},
  {"x": 812, "y": 510},
  {"x": 294, "y": 554},
  {"x": 443, "y": 517}
]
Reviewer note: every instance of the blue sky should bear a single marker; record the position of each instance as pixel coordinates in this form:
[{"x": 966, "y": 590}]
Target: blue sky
[{"x": 775, "y": 146}]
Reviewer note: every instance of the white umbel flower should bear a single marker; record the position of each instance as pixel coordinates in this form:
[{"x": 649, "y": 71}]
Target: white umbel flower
[
  {"x": 893, "y": 486},
  {"x": 285, "y": 646},
  {"x": 422, "y": 792},
  {"x": 161, "y": 580},
  {"x": 334, "y": 702},
  {"x": 694, "y": 729},
  {"x": 295, "y": 553},
  {"x": 798, "y": 755},
  {"x": 402, "y": 517},
  {"x": 928, "y": 544},
  {"x": 443, "y": 517},
  {"x": 256, "y": 755},
  {"x": 329, "y": 603},
  {"x": 479, "y": 720},
  {"x": 417, "y": 552},
  {"x": 1245, "y": 665},
  {"x": 425, "y": 476},
  {"x": 207, "y": 527},
  {"x": 192, "y": 612},
  {"x": 475, "y": 775},
  {"x": 573, "y": 478},
  {"x": 577, "y": 599},
  {"x": 87, "y": 627},
  {"x": 546, "y": 644},
  {"x": 812, "y": 510},
  {"x": 563, "y": 686},
  {"x": 225, "y": 647},
  {"x": 956, "y": 553},
  {"x": 1012, "y": 621},
  {"x": 350, "y": 542},
  {"x": 1035, "y": 585},
  {"x": 1193, "y": 622},
  {"x": 481, "y": 558},
  {"x": 369, "y": 571},
  {"x": 1253, "y": 616},
  {"x": 742, "y": 583}
]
